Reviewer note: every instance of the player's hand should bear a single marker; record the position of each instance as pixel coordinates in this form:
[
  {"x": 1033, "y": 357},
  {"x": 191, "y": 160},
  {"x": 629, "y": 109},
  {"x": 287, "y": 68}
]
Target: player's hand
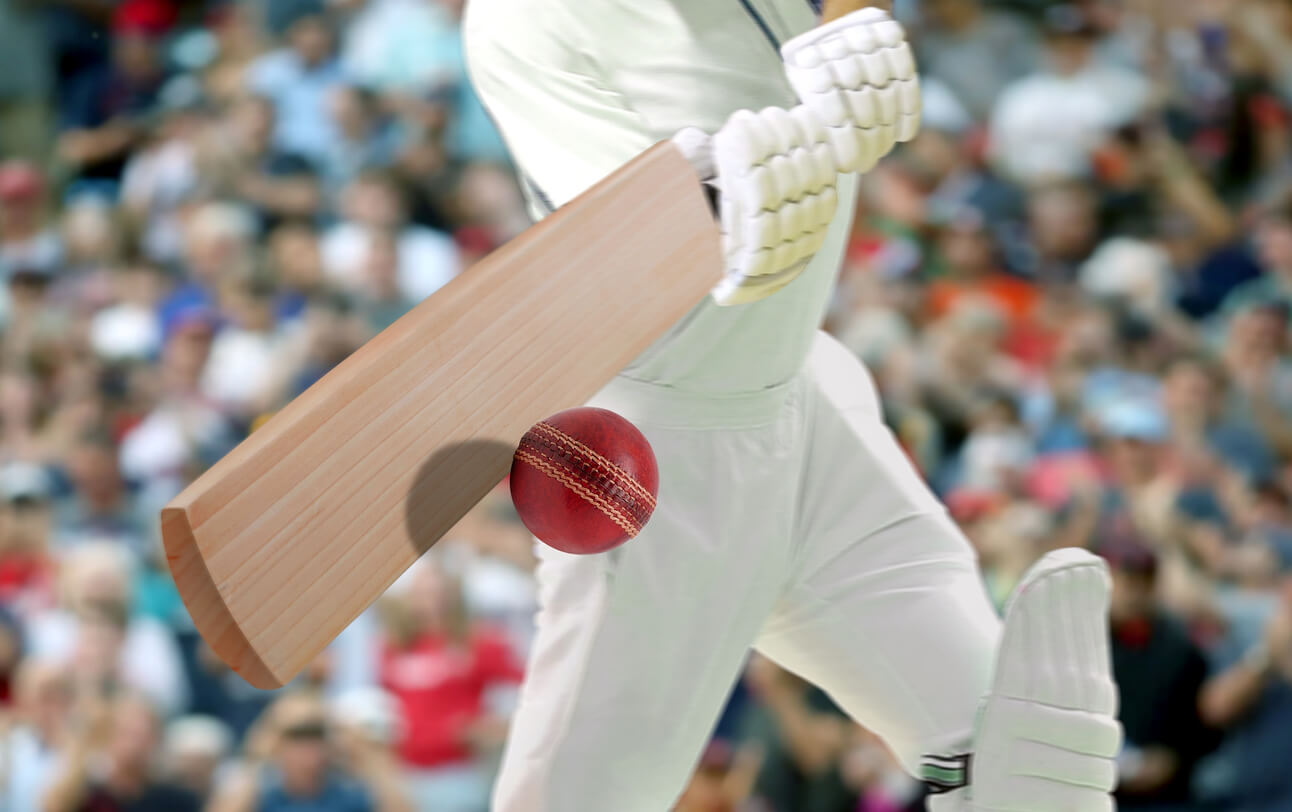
[
  {"x": 857, "y": 74},
  {"x": 776, "y": 177}
]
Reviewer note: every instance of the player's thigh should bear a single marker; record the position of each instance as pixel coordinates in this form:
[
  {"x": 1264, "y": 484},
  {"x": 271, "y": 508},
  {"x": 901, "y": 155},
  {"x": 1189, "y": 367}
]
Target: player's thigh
[
  {"x": 637, "y": 649},
  {"x": 898, "y": 629},
  {"x": 887, "y": 611}
]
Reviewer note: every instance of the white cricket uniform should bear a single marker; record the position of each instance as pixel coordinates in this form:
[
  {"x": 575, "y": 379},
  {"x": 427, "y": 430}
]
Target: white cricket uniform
[{"x": 788, "y": 519}]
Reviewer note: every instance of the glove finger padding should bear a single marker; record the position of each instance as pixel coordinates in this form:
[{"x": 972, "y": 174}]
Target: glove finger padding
[
  {"x": 777, "y": 200},
  {"x": 858, "y": 73},
  {"x": 1048, "y": 737}
]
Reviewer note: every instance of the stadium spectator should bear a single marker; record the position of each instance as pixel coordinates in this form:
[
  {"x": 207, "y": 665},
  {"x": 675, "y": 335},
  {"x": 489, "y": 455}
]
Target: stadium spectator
[
  {"x": 452, "y": 678},
  {"x": 1046, "y": 125},
  {"x": 244, "y": 162},
  {"x": 1250, "y": 695},
  {"x": 34, "y": 738},
  {"x": 377, "y": 200},
  {"x": 26, "y": 567},
  {"x": 287, "y": 767},
  {"x": 108, "y": 113},
  {"x": 94, "y": 631},
  {"x": 195, "y": 750},
  {"x": 1159, "y": 673},
  {"x": 27, "y": 242},
  {"x": 802, "y": 736},
  {"x": 976, "y": 50},
  {"x": 110, "y": 761},
  {"x": 299, "y": 78}
]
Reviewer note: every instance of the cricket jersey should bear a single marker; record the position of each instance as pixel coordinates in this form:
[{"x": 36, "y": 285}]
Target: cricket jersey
[{"x": 608, "y": 79}]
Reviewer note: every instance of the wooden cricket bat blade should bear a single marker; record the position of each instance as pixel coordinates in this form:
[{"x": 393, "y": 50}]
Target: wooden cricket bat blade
[{"x": 287, "y": 539}]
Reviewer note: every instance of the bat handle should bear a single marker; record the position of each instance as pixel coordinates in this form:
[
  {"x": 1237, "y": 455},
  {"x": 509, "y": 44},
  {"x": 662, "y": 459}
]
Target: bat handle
[{"x": 834, "y": 9}]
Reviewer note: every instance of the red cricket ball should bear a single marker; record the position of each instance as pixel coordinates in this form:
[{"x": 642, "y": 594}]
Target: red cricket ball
[{"x": 584, "y": 480}]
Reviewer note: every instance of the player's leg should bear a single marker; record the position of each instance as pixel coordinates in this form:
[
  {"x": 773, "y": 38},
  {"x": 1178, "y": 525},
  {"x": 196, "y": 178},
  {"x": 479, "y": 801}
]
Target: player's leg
[
  {"x": 888, "y": 614},
  {"x": 637, "y": 649},
  {"x": 886, "y": 610},
  {"x": 1048, "y": 735}
]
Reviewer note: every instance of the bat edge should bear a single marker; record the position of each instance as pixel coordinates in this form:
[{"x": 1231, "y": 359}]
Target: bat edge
[{"x": 206, "y": 606}]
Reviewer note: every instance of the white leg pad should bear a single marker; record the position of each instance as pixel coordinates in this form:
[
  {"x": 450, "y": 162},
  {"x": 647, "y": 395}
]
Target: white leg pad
[{"x": 1048, "y": 736}]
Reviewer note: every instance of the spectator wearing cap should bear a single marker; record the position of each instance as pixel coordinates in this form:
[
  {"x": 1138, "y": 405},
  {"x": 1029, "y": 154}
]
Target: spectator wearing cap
[
  {"x": 27, "y": 243},
  {"x": 1128, "y": 488},
  {"x": 1048, "y": 124},
  {"x": 26, "y": 567},
  {"x": 1129, "y": 370},
  {"x": 299, "y": 78},
  {"x": 26, "y": 79},
  {"x": 183, "y": 431},
  {"x": 110, "y": 111},
  {"x": 1159, "y": 672},
  {"x": 218, "y": 248},
  {"x": 975, "y": 51}
]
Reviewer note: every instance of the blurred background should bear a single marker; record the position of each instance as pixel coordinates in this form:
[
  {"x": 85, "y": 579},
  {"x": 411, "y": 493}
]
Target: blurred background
[{"x": 1074, "y": 289}]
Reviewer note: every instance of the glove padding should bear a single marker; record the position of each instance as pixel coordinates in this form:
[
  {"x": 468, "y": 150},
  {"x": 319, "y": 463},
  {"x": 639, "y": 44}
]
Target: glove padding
[
  {"x": 857, "y": 74},
  {"x": 1048, "y": 735},
  {"x": 776, "y": 179}
]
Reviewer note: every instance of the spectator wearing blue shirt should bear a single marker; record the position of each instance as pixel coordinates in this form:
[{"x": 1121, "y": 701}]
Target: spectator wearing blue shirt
[
  {"x": 299, "y": 79},
  {"x": 290, "y": 766}
]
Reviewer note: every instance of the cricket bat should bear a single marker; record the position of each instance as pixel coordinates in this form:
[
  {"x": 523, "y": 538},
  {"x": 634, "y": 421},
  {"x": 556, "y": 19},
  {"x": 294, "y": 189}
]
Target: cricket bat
[{"x": 287, "y": 539}]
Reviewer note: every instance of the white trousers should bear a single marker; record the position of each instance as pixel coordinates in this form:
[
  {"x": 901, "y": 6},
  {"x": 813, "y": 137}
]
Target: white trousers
[{"x": 789, "y": 521}]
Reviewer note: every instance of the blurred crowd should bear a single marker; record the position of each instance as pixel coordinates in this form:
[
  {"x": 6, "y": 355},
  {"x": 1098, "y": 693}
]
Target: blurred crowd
[{"x": 1074, "y": 291}]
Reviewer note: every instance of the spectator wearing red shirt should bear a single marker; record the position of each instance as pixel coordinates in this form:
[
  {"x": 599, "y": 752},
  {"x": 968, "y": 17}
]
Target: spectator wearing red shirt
[
  {"x": 445, "y": 671},
  {"x": 26, "y": 571}
]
